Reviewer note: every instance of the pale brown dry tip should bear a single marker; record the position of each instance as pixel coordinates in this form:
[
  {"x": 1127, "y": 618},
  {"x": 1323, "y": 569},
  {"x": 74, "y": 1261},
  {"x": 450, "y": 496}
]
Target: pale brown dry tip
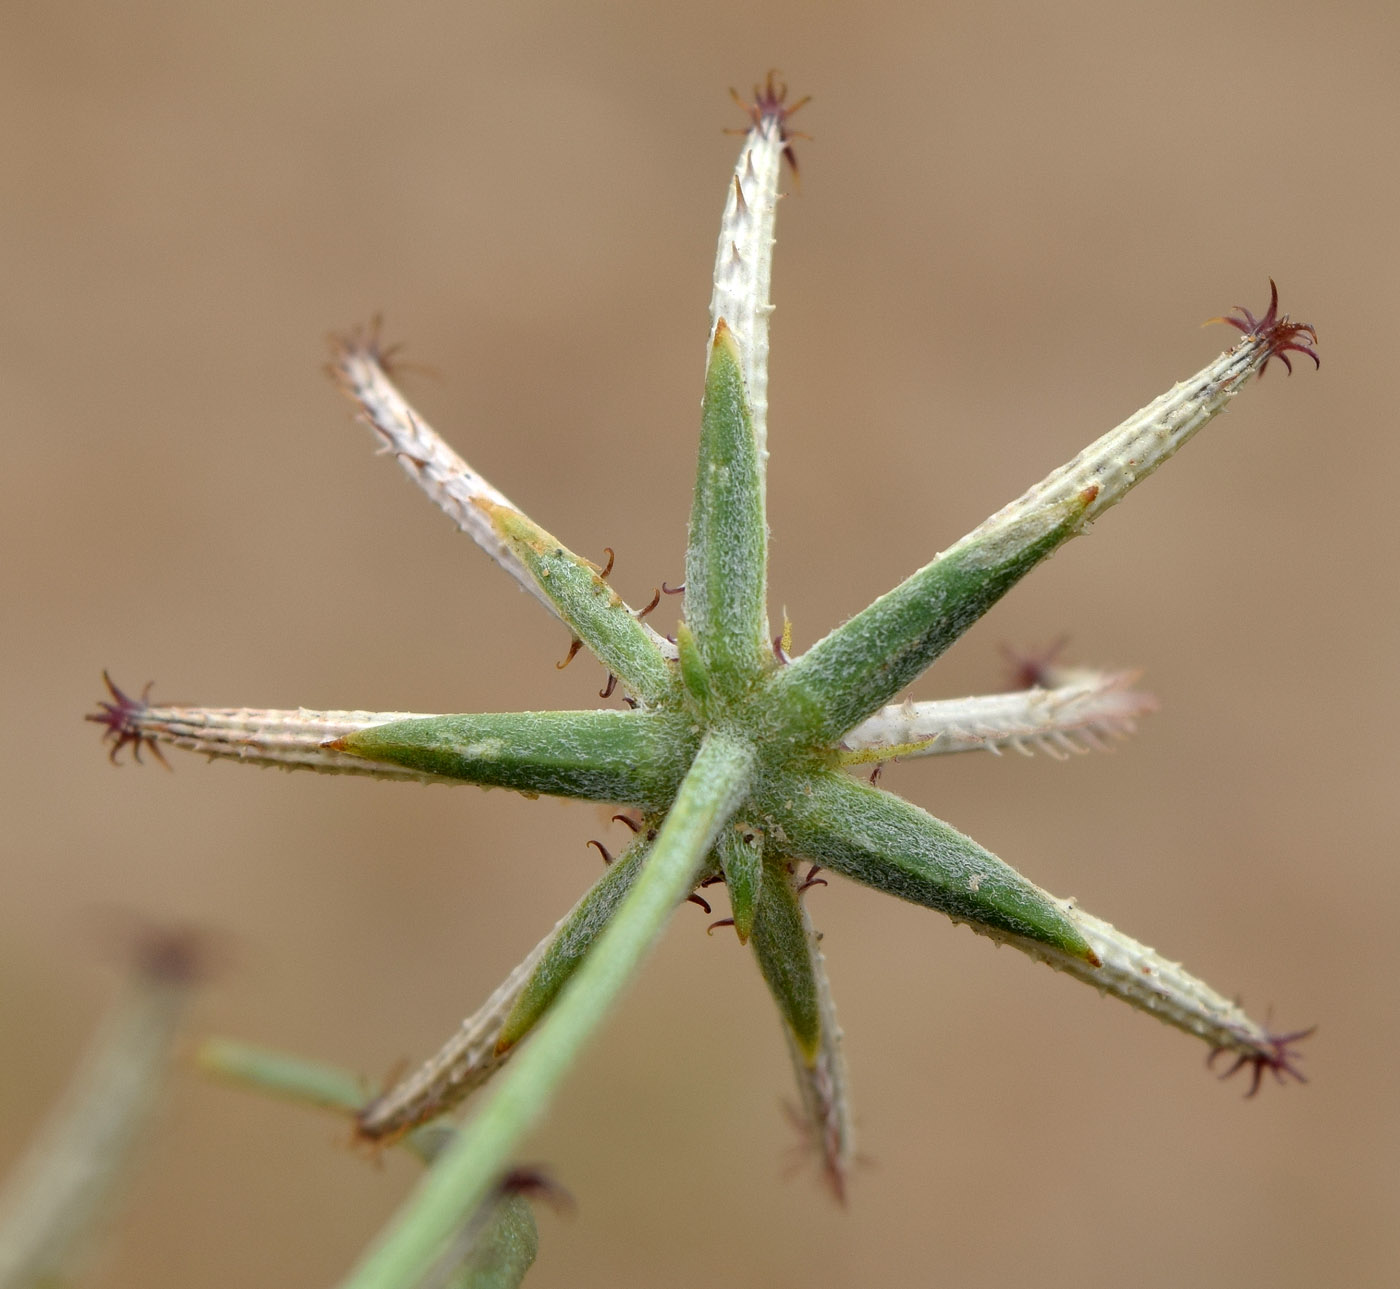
[
  {"x": 366, "y": 343},
  {"x": 770, "y": 106}
]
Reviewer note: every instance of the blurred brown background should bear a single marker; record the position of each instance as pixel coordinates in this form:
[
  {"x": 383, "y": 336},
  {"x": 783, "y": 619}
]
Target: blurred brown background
[{"x": 1010, "y": 224}]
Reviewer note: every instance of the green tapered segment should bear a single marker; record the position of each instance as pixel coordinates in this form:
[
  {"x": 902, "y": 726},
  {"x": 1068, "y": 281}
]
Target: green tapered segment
[
  {"x": 283, "y": 1075},
  {"x": 637, "y": 758},
  {"x": 694, "y": 675},
  {"x": 726, "y": 568},
  {"x": 583, "y": 925},
  {"x": 589, "y": 606},
  {"x": 784, "y": 953},
  {"x": 742, "y": 864},
  {"x": 502, "y": 1251},
  {"x": 883, "y": 841},
  {"x": 867, "y": 660}
]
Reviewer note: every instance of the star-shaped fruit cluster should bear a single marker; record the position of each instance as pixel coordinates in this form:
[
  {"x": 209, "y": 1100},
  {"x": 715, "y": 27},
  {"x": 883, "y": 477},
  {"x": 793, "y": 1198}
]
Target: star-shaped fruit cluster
[{"x": 729, "y": 759}]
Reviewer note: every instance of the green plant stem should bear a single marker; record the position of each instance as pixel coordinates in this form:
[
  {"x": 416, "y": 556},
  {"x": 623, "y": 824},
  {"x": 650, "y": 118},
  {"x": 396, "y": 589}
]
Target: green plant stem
[
  {"x": 463, "y": 1178},
  {"x": 62, "y": 1188}
]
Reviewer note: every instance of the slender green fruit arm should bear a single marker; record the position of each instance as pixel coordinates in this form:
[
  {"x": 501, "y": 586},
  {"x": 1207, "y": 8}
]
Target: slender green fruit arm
[
  {"x": 485, "y": 1040},
  {"x": 886, "y": 844},
  {"x": 1081, "y": 711},
  {"x": 789, "y": 955},
  {"x": 883, "y": 841},
  {"x": 726, "y": 579},
  {"x": 632, "y": 757},
  {"x": 867, "y": 660},
  {"x": 590, "y": 608},
  {"x": 855, "y": 670},
  {"x": 358, "y": 365},
  {"x": 461, "y": 1180},
  {"x": 61, "y": 1188},
  {"x": 727, "y": 558}
]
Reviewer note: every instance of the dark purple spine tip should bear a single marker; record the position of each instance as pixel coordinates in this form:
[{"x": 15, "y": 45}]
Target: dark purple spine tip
[
  {"x": 1275, "y": 1054},
  {"x": 1279, "y": 333},
  {"x": 122, "y": 720}
]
